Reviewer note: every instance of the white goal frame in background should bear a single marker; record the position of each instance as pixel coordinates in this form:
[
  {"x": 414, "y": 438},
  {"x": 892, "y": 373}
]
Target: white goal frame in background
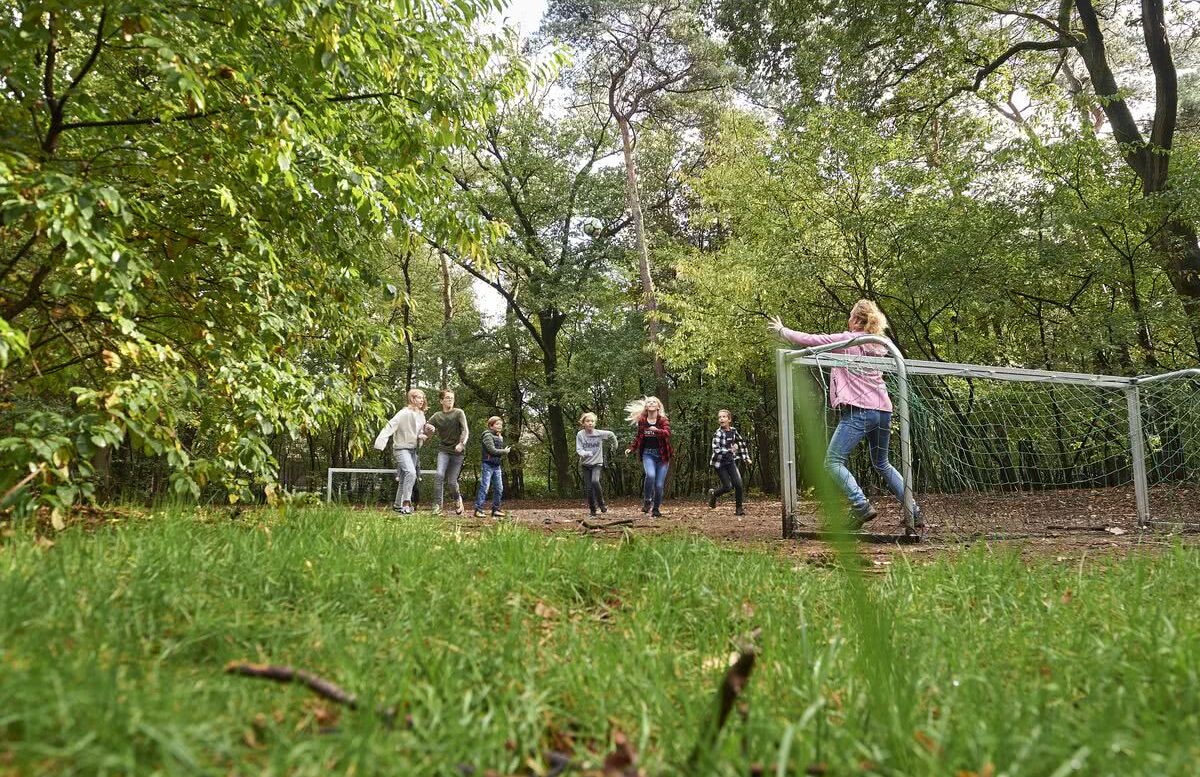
[{"x": 895, "y": 364}]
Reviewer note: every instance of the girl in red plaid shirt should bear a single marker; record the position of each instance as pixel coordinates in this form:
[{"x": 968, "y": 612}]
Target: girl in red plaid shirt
[{"x": 653, "y": 444}]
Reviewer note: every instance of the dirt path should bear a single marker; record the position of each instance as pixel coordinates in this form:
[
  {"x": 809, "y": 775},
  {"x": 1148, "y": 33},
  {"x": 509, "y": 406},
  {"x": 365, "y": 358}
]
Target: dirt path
[{"x": 1037, "y": 525}]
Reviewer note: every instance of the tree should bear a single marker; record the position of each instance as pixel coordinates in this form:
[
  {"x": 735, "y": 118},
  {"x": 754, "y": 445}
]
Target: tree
[
  {"x": 901, "y": 57},
  {"x": 537, "y": 177},
  {"x": 638, "y": 60},
  {"x": 192, "y": 201}
]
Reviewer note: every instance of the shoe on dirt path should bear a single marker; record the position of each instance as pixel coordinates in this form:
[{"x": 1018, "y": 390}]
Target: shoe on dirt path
[
  {"x": 739, "y": 511},
  {"x": 655, "y": 513},
  {"x": 712, "y": 499},
  {"x": 499, "y": 515},
  {"x": 859, "y": 518},
  {"x": 646, "y": 506},
  {"x": 603, "y": 509},
  {"x": 480, "y": 514}
]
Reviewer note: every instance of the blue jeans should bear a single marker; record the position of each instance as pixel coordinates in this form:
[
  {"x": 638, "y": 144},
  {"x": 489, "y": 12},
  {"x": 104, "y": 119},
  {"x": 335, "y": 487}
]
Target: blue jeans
[
  {"x": 855, "y": 424},
  {"x": 493, "y": 474},
  {"x": 446, "y": 477},
  {"x": 656, "y": 475}
]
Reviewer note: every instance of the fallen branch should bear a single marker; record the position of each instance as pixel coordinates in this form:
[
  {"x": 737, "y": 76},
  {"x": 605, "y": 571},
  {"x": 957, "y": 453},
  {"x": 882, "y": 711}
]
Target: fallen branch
[
  {"x": 605, "y": 524},
  {"x": 286, "y": 674}
]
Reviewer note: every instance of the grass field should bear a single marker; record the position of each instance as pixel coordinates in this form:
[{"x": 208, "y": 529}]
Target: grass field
[{"x": 499, "y": 646}]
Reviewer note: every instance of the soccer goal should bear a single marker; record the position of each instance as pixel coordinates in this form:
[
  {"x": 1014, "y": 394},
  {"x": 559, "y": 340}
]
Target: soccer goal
[
  {"x": 1005, "y": 451},
  {"x": 364, "y": 485}
]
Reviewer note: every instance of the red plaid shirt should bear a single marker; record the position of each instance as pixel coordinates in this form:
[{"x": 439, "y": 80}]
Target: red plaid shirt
[{"x": 664, "y": 437}]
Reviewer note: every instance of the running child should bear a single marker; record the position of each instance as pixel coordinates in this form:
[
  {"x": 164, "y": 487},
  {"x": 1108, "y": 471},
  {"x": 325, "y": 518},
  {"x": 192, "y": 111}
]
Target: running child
[
  {"x": 406, "y": 429},
  {"x": 589, "y": 445},
  {"x": 491, "y": 466},
  {"x": 450, "y": 426},
  {"x": 652, "y": 444},
  {"x": 728, "y": 448}
]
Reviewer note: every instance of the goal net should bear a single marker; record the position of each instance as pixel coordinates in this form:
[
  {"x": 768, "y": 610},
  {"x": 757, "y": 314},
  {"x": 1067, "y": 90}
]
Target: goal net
[{"x": 1006, "y": 451}]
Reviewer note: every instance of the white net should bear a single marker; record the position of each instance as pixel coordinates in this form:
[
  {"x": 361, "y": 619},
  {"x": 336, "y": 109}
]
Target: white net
[{"x": 1007, "y": 452}]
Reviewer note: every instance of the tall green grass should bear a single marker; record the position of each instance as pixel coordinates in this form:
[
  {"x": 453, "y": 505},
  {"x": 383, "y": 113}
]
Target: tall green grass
[{"x": 499, "y": 646}]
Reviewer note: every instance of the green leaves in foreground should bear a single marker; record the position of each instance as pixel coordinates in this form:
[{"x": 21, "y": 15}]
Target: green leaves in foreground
[{"x": 192, "y": 202}]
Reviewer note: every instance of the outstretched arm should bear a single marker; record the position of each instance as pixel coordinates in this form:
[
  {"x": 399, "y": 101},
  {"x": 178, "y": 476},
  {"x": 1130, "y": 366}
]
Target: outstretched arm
[{"x": 804, "y": 338}]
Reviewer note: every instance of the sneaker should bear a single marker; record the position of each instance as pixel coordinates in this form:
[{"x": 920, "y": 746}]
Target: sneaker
[
  {"x": 435, "y": 510},
  {"x": 739, "y": 511},
  {"x": 603, "y": 509},
  {"x": 458, "y": 507},
  {"x": 655, "y": 513},
  {"x": 592, "y": 513},
  {"x": 918, "y": 519},
  {"x": 479, "y": 514},
  {"x": 499, "y": 515},
  {"x": 646, "y": 506},
  {"x": 712, "y": 499},
  {"x": 399, "y": 510},
  {"x": 860, "y": 517}
]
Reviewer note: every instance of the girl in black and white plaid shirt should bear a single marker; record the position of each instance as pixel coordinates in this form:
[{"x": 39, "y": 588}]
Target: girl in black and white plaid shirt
[{"x": 728, "y": 448}]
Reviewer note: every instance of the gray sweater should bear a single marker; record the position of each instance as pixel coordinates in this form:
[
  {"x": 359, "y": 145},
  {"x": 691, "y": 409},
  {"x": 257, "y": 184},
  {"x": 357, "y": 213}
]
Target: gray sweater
[{"x": 590, "y": 447}]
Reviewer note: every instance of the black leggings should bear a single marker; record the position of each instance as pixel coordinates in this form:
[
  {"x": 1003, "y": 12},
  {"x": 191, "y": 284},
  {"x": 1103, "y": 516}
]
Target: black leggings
[
  {"x": 591, "y": 485},
  {"x": 731, "y": 480}
]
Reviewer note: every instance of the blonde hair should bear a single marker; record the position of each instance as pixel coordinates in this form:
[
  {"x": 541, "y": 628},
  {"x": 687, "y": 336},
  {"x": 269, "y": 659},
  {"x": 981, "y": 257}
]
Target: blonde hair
[
  {"x": 726, "y": 412},
  {"x": 493, "y": 420},
  {"x": 414, "y": 395},
  {"x": 868, "y": 315},
  {"x": 636, "y": 410},
  {"x": 586, "y": 416}
]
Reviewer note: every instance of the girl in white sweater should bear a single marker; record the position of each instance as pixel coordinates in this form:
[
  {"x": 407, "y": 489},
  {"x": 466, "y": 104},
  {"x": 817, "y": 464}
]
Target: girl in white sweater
[{"x": 407, "y": 432}]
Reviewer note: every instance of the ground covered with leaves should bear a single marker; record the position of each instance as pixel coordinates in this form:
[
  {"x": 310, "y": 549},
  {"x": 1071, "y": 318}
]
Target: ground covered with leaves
[{"x": 472, "y": 649}]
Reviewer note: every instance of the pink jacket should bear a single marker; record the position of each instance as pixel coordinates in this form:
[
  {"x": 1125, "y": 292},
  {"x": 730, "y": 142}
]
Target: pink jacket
[{"x": 860, "y": 388}]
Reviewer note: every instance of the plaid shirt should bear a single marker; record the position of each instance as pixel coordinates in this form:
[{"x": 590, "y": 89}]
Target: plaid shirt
[
  {"x": 722, "y": 447},
  {"x": 664, "y": 438}
]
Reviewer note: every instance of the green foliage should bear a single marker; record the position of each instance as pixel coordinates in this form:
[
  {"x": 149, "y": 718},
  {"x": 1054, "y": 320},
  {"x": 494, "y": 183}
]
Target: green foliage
[{"x": 194, "y": 202}]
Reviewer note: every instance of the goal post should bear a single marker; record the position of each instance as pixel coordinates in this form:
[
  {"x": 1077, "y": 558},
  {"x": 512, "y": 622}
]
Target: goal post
[{"x": 989, "y": 449}]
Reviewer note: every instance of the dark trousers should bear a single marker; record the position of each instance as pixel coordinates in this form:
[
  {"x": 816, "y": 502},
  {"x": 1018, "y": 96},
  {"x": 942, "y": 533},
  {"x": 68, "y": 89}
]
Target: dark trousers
[
  {"x": 731, "y": 480},
  {"x": 590, "y": 474}
]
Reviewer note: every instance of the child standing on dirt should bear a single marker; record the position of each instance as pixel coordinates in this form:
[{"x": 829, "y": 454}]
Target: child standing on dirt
[
  {"x": 589, "y": 444},
  {"x": 406, "y": 429},
  {"x": 728, "y": 448},
  {"x": 491, "y": 466},
  {"x": 450, "y": 426},
  {"x": 652, "y": 444}
]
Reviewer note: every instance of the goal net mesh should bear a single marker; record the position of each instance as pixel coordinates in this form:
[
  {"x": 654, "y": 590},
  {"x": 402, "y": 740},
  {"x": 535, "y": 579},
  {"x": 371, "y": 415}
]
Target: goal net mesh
[{"x": 1028, "y": 456}]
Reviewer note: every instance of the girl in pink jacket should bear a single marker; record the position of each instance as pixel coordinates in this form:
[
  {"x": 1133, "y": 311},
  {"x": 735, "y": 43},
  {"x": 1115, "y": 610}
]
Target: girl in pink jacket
[{"x": 864, "y": 409}]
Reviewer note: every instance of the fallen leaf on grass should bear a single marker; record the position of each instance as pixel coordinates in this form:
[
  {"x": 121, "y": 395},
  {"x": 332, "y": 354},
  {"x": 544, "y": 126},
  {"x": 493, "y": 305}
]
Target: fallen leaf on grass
[
  {"x": 543, "y": 610},
  {"x": 988, "y": 770},
  {"x": 1066, "y": 597},
  {"x": 1117, "y": 530},
  {"x": 622, "y": 761},
  {"x": 926, "y": 741},
  {"x": 717, "y": 662}
]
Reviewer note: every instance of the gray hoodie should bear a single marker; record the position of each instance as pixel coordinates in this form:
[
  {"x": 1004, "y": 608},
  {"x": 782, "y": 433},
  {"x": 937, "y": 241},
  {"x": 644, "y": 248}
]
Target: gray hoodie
[{"x": 590, "y": 447}]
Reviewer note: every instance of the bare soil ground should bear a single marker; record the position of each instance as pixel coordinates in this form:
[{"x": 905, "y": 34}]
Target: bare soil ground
[{"x": 1048, "y": 523}]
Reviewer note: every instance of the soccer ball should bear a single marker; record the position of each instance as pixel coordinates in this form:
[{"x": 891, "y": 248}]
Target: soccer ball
[{"x": 592, "y": 226}]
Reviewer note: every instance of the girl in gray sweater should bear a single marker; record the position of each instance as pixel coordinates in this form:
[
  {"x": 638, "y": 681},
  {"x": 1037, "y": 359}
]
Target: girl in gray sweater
[{"x": 589, "y": 444}]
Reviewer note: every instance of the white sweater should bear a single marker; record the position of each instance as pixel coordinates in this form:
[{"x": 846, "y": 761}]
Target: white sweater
[{"x": 403, "y": 429}]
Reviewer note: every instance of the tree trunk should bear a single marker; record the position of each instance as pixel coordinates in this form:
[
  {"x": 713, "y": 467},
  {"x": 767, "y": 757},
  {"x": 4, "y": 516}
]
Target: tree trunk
[
  {"x": 649, "y": 299},
  {"x": 516, "y": 416},
  {"x": 447, "y": 316},
  {"x": 550, "y": 322},
  {"x": 407, "y": 309}
]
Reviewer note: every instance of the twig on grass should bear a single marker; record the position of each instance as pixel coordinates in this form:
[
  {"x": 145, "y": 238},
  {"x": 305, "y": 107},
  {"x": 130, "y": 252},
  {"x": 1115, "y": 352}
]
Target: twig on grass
[
  {"x": 605, "y": 524},
  {"x": 286, "y": 674}
]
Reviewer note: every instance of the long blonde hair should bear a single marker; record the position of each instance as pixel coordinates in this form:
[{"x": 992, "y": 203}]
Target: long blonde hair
[
  {"x": 868, "y": 315},
  {"x": 636, "y": 410}
]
